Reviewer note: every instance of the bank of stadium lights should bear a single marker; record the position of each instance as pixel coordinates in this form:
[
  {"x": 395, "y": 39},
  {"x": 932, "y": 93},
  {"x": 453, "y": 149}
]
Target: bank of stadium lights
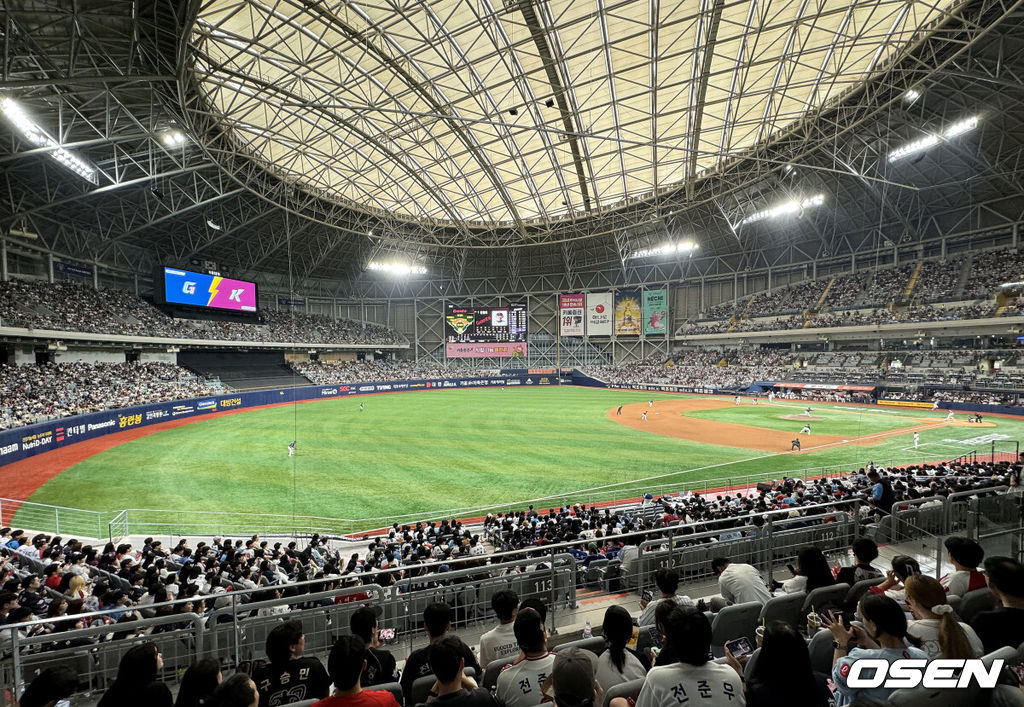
[
  {"x": 666, "y": 249},
  {"x": 787, "y": 208},
  {"x": 932, "y": 139},
  {"x": 911, "y": 95},
  {"x": 173, "y": 138},
  {"x": 397, "y": 268},
  {"x": 38, "y": 137}
]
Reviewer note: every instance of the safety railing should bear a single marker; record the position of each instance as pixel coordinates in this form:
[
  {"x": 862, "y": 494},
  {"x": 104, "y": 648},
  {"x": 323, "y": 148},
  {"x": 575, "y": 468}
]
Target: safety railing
[{"x": 59, "y": 520}]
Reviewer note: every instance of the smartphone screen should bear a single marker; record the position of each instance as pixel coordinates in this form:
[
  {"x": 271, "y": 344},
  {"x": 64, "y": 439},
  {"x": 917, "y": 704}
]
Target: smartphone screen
[
  {"x": 739, "y": 647},
  {"x": 386, "y": 634},
  {"x": 647, "y": 595},
  {"x": 655, "y": 637}
]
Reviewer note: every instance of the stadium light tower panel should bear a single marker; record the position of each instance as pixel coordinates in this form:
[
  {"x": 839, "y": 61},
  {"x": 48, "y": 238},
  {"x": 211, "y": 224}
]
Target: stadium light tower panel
[
  {"x": 32, "y": 132},
  {"x": 932, "y": 139},
  {"x": 786, "y": 208}
]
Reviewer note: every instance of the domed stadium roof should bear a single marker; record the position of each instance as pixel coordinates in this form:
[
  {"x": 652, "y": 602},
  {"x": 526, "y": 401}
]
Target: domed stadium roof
[{"x": 488, "y": 113}]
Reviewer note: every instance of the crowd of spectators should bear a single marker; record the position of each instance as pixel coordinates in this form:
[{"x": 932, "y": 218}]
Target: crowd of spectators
[
  {"x": 69, "y": 306},
  {"x": 31, "y": 393},
  {"x": 730, "y": 369},
  {"x": 991, "y": 269},
  {"x": 343, "y": 372}
]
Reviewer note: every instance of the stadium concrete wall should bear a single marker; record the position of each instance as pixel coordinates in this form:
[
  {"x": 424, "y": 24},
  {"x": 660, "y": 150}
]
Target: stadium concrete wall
[{"x": 23, "y": 442}]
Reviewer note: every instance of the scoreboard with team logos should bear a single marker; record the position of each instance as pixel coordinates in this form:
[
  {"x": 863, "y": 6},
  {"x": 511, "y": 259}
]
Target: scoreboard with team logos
[{"x": 482, "y": 332}]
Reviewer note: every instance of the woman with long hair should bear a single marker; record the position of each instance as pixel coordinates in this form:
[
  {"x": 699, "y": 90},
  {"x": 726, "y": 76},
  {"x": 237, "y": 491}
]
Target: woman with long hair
[
  {"x": 812, "y": 572},
  {"x": 941, "y": 635},
  {"x": 136, "y": 682},
  {"x": 618, "y": 664},
  {"x": 782, "y": 674},
  {"x": 882, "y": 635}
]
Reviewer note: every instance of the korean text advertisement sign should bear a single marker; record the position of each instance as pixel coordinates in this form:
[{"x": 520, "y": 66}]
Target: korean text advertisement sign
[
  {"x": 655, "y": 311},
  {"x": 571, "y": 314},
  {"x": 599, "y": 314}
]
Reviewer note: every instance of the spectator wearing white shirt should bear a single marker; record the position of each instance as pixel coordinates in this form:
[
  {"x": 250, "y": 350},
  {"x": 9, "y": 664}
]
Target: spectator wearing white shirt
[
  {"x": 618, "y": 664},
  {"x": 519, "y": 684},
  {"x": 939, "y": 634},
  {"x": 667, "y": 581},
  {"x": 500, "y": 641},
  {"x": 693, "y": 679},
  {"x": 738, "y": 583}
]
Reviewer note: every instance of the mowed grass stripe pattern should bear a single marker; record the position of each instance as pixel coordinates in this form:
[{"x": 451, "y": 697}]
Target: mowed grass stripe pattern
[{"x": 430, "y": 451}]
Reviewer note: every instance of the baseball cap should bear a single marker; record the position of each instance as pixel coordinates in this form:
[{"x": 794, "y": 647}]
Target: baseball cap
[{"x": 572, "y": 677}]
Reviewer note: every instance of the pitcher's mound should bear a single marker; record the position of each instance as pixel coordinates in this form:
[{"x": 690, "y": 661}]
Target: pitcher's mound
[{"x": 802, "y": 418}]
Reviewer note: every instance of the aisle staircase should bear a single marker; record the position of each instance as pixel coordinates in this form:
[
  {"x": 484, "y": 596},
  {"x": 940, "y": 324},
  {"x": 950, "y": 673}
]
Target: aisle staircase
[
  {"x": 824, "y": 294},
  {"x": 913, "y": 281}
]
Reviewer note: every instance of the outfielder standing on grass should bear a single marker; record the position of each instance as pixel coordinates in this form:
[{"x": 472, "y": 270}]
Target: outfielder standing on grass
[
  {"x": 291, "y": 449},
  {"x": 917, "y": 438}
]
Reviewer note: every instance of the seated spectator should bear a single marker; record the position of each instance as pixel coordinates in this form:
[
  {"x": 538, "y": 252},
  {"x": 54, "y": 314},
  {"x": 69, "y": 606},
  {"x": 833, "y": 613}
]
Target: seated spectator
[
  {"x": 812, "y": 572},
  {"x": 865, "y": 551},
  {"x": 346, "y": 664},
  {"x": 237, "y": 691},
  {"x": 667, "y": 581},
  {"x": 1004, "y": 625},
  {"x": 694, "y": 677},
  {"x": 573, "y": 681},
  {"x": 903, "y": 567},
  {"x": 519, "y": 684},
  {"x": 136, "y": 682},
  {"x": 883, "y": 637},
  {"x": 199, "y": 683},
  {"x": 500, "y": 641},
  {"x": 619, "y": 664},
  {"x": 934, "y": 629},
  {"x": 381, "y": 666},
  {"x": 738, "y": 583},
  {"x": 437, "y": 621},
  {"x": 453, "y": 688},
  {"x": 966, "y": 555},
  {"x": 289, "y": 677},
  {"x": 782, "y": 675},
  {"x": 49, "y": 687}
]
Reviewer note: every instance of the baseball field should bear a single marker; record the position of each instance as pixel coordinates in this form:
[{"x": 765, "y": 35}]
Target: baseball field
[{"x": 463, "y": 452}]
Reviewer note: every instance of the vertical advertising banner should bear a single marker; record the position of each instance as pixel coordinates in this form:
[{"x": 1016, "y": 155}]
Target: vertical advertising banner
[
  {"x": 599, "y": 314},
  {"x": 571, "y": 314},
  {"x": 628, "y": 313},
  {"x": 655, "y": 311}
]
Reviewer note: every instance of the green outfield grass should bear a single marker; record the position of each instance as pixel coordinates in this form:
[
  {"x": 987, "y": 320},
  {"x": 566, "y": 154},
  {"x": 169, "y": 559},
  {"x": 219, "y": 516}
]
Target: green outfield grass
[{"x": 460, "y": 449}]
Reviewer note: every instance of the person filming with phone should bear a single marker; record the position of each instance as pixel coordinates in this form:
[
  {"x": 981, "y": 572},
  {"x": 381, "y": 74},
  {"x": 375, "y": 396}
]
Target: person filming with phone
[{"x": 781, "y": 675}]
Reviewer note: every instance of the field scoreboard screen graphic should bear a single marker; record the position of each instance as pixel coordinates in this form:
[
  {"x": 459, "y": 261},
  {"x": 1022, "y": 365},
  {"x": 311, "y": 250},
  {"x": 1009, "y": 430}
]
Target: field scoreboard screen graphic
[
  {"x": 201, "y": 290},
  {"x": 484, "y": 332}
]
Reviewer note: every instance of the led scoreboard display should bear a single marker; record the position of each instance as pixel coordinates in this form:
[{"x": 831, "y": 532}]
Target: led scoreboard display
[
  {"x": 484, "y": 332},
  {"x": 201, "y": 290}
]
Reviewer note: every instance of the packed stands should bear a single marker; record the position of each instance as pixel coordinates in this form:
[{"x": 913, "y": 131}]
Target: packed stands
[
  {"x": 341, "y": 372},
  {"x": 67, "y": 306},
  {"x": 731, "y": 369},
  {"x": 32, "y": 393}
]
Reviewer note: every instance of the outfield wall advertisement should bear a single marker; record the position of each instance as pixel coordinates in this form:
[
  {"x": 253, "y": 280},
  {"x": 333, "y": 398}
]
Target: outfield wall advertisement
[
  {"x": 571, "y": 314},
  {"x": 629, "y": 318},
  {"x": 655, "y": 311},
  {"x": 599, "y": 314},
  {"x": 24, "y": 442}
]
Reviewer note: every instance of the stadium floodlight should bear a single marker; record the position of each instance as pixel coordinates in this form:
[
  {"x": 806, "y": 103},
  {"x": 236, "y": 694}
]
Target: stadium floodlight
[
  {"x": 397, "y": 268},
  {"x": 786, "y": 208},
  {"x": 911, "y": 95},
  {"x": 212, "y": 224},
  {"x": 666, "y": 249},
  {"x": 173, "y": 138},
  {"x": 32, "y": 132},
  {"x": 932, "y": 139}
]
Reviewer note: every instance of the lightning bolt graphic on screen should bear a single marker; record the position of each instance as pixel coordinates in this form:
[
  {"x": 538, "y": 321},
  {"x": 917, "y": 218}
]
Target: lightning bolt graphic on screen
[{"x": 213, "y": 289}]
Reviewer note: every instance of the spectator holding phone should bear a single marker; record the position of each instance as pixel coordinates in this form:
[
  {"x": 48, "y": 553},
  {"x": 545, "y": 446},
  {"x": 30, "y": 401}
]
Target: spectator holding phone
[
  {"x": 782, "y": 675},
  {"x": 903, "y": 567},
  {"x": 381, "y": 666},
  {"x": 811, "y": 572},
  {"x": 667, "y": 580},
  {"x": 883, "y": 636}
]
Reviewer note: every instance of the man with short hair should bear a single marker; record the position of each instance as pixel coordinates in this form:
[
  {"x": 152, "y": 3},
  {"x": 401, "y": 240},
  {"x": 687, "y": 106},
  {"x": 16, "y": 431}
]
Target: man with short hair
[
  {"x": 289, "y": 677},
  {"x": 966, "y": 555},
  {"x": 667, "y": 580},
  {"x": 519, "y": 684},
  {"x": 500, "y": 641},
  {"x": 865, "y": 551},
  {"x": 453, "y": 687},
  {"x": 1003, "y": 626},
  {"x": 693, "y": 679},
  {"x": 380, "y": 664},
  {"x": 437, "y": 621},
  {"x": 882, "y": 495},
  {"x": 346, "y": 664},
  {"x": 739, "y": 583}
]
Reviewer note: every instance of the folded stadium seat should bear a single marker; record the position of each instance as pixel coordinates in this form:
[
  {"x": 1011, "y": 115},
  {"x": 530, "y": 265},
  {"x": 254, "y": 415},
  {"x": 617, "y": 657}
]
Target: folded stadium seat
[
  {"x": 974, "y": 602},
  {"x": 880, "y": 532},
  {"x": 629, "y": 689},
  {"x": 612, "y": 575},
  {"x": 820, "y": 648},
  {"x": 646, "y": 639},
  {"x": 595, "y": 572},
  {"x": 859, "y": 589},
  {"x": 825, "y": 598},
  {"x": 492, "y": 670},
  {"x": 787, "y": 608},
  {"x": 594, "y": 644},
  {"x": 733, "y": 622}
]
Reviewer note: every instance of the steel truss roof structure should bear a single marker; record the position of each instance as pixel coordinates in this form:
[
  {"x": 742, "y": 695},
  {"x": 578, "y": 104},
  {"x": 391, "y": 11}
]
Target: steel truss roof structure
[{"x": 321, "y": 135}]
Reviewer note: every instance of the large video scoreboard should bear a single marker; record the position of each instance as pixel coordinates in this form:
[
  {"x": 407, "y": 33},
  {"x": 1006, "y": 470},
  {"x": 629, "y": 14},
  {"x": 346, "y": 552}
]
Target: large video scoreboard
[
  {"x": 484, "y": 332},
  {"x": 202, "y": 290}
]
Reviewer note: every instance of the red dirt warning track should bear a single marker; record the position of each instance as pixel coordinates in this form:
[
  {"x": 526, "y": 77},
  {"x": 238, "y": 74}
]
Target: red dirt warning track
[{"x": 667, "y": 418}]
